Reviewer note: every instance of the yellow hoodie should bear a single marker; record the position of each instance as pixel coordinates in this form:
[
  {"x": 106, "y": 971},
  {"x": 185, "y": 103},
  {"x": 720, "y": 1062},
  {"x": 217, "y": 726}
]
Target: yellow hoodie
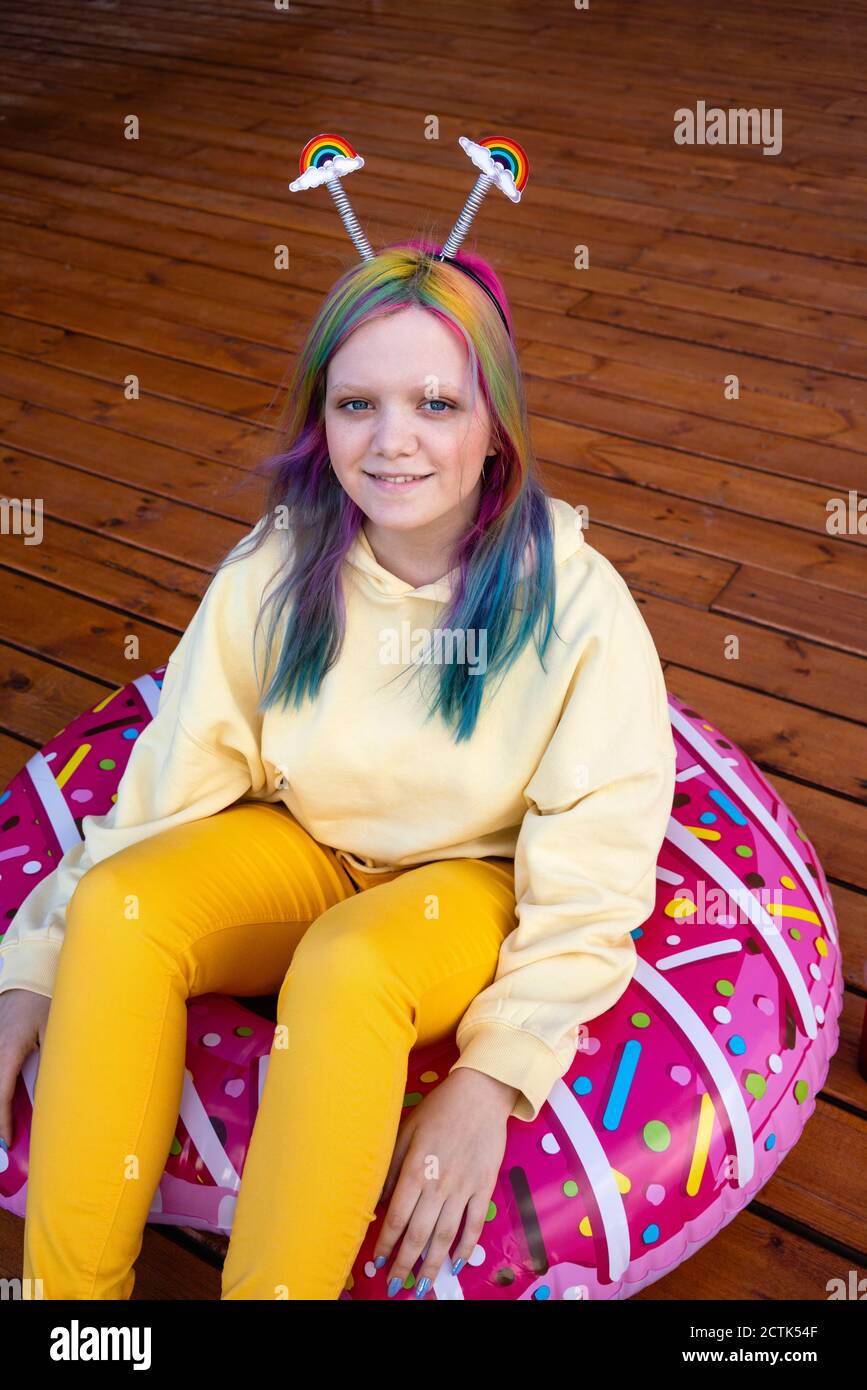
[{"x": 570, "y": 771}]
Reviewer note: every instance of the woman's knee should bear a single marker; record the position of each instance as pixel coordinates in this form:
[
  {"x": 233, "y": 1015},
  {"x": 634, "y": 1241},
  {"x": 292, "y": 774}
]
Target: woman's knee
[
  {"x": 111, "y": 905},
  {"x": 101, "y": 894},
  {"x": 337, "y": 953}
]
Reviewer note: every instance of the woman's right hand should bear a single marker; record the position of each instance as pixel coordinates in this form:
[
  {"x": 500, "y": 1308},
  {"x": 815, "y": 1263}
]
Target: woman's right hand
[{"x": 23, "y": 1015}]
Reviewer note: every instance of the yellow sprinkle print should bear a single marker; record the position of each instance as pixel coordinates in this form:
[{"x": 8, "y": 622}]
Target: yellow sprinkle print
[
  {"x": 681, "y": 907},
  {"x": 801, "y": 914},
  {"x": 701, "y": 832},
  {"x": 787, "y": 881},
  {"x": 584, "y": 1228},
  {"x": 623, "y": 1182},
  {"x": 821, "y": 945},
  {"x": 108, "y": 699},
  {"x": 702, "y": 1145},
  {"x": 72, "y": 763}
]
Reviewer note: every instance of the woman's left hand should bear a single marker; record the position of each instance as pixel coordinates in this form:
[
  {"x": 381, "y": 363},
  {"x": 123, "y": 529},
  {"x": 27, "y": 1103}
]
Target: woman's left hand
[{"x": 446, "y": 1159}]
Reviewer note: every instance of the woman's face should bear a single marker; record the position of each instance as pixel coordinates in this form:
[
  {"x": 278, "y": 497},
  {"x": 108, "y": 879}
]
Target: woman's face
[{"x": 398, "y": 403}]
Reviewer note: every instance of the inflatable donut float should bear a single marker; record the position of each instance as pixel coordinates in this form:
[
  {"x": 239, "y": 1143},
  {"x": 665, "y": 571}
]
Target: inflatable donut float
[{"x": 682, "y": 1099}]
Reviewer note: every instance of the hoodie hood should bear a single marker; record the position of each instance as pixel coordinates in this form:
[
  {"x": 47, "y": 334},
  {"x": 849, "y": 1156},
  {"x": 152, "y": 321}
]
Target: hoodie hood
[{"x": 568, "y": 537}]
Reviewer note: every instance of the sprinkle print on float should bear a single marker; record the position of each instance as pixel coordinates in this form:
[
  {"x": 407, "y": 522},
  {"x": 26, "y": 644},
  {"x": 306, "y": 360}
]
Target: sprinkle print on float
[{"x": 682, "y": 1100}]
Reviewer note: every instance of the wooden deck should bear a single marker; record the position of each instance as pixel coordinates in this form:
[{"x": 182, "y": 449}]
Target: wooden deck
[{"x": 155, "y": 257}]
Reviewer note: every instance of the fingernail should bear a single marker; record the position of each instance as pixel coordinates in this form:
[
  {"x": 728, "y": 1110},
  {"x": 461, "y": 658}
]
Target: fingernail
[
  {"x": 393, "y": 1286},
  {"x": 458, "y": 1265},
  {"x": 379, "y": 1261},
  {"x": 422, "y": 1287}
]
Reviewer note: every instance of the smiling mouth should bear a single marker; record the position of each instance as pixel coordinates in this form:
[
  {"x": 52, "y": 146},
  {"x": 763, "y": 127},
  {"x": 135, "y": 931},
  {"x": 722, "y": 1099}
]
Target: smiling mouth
[{"x": 397, "y": 479}]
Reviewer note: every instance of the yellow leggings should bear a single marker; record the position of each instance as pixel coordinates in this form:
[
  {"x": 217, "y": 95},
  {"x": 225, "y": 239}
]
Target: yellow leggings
[{"x": 245, "y": 902}]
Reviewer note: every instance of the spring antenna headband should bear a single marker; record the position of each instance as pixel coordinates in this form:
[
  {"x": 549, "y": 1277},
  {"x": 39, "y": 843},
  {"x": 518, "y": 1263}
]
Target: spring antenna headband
[{"x": 329, "y": 158}]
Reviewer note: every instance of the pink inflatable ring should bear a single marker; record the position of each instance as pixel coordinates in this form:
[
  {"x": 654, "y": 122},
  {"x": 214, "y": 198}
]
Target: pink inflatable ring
[{"x": 682, "y": 1098}]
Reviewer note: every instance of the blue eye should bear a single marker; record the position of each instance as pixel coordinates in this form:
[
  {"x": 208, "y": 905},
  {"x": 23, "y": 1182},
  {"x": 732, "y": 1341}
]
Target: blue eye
[{"x": 447, "y": 406}]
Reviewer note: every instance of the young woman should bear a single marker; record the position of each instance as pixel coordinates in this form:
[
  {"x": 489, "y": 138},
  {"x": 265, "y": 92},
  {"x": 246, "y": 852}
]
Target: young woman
[{"x": 425, "y": 797}]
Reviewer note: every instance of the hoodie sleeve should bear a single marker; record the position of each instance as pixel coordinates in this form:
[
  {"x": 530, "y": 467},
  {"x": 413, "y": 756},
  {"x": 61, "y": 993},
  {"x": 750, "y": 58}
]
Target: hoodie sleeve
[
  {"x": 197, "y": 755},
  {"x": 585, "y": 862}
]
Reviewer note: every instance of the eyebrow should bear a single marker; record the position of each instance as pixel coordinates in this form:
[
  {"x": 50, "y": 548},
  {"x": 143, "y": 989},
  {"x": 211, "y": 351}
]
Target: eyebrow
[{"x": 360, "y": 390}]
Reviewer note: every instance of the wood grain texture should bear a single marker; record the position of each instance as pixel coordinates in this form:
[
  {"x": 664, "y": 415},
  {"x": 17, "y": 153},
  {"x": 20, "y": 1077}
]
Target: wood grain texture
[{"x": 155, "y": 257}]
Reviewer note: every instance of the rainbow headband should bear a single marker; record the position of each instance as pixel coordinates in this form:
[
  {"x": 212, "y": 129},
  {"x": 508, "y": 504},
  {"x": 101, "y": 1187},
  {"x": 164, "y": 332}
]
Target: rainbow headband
[{"x": 502, "y": 162}]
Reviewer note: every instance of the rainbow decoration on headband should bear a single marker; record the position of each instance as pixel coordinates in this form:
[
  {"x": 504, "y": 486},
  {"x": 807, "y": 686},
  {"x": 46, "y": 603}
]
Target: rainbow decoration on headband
[
  {"x": 322, "y": 149},
  {"x": 500, "y": 161},
  {"x": 327, "y": 159},
  {"x": 510, "y": 156}
]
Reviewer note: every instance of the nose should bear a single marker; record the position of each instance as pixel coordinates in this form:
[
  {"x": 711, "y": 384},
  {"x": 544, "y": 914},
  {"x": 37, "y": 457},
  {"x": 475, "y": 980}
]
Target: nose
[{"x": 394, "y": 436}]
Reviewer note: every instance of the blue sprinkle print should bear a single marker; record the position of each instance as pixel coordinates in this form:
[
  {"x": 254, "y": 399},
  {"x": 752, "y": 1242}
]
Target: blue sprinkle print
[
  {"x": 542, "y": 1292},
  {"x": 736, "y": 1044},
  {"x": 636, "y": 933},
  {"x": 707, "y": 817},
  {"x": 622, "y": 1082},
  {"x": 770, "y": 1141},
  {"x": 582, "y": 1085},
  {"x": 4, "y": 797},
  {"x": 728, "y": 806},
  {"x": 130, "y": 733},
  {"x": 650, "y": 1234}
]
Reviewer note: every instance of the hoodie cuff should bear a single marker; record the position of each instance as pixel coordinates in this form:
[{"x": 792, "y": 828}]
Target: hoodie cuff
[
  {"x": 517, "y": 1058},
  {"x": 32, "y": 967}
]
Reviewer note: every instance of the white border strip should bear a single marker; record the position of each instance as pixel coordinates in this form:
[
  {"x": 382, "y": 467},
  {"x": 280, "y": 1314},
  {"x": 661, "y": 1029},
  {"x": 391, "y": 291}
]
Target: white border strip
[
  {"x": 204, "y": 1136},
  {"x": 51, "y": 800},
  {"x": 597, "y": 1165}
]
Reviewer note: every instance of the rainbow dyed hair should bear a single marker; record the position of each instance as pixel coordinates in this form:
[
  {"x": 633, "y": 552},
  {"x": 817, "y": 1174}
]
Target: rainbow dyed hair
[{"x": 324, "y": 520}]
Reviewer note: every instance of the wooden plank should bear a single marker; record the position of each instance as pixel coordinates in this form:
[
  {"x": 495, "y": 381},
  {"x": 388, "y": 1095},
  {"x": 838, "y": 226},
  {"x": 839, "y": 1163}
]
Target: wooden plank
[
  {"x": 837, "y": 827},
  {"x": 39, "y": 698},
  {"x": 744, "y": 656},
  {"x": 830, "y": 561},
  {"x": 850, "y": 909},
  {"x": 169, "y": 528},
  {"x": 771, "y": 399},
  {"x": 845, "y": 1082},
  {"x": 86, "y": 636},
  {"x": 14, "y": 753},
  {"x": 778, "y": 735},
  {"x": 753, "y": 1259},
  {"x": 761, "y": 596},
  {"x": 96, "y": 565},
  {"x": 822, "y": 1181},
  {"x": 157, "y": 257}
]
